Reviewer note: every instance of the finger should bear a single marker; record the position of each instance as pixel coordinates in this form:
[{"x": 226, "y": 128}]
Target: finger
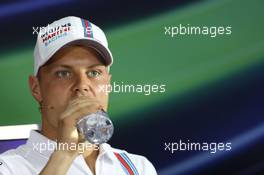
[
  {"x": 82, "y": 100},
  {"x": 85, "y": 108},
  {"x": 71, "y": 120},
  {"x": 82, "y": 104}
]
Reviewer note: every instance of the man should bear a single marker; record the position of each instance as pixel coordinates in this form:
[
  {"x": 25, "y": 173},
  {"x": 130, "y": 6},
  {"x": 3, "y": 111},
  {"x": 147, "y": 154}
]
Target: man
[{"x": 72, "y": 62}]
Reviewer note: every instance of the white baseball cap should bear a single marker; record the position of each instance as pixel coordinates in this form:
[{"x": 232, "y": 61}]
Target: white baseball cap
[{"x": 69, "y": 31}]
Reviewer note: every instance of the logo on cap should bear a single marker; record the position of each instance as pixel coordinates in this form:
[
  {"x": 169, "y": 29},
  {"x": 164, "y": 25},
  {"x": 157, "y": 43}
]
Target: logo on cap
[
  {"x": 53, "y": 33},
  {"x": 87, "y": 28}
]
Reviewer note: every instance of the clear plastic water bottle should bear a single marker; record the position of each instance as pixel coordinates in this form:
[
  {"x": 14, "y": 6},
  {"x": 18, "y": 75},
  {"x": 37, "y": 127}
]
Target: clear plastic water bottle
[{"x": 97, "y": 127}]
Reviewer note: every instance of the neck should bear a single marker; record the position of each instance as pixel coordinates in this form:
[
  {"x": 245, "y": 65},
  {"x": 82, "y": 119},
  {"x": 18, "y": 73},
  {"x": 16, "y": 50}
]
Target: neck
[
  {"x": 48, "y": 130},
  {"x": 90, "y": 159}
]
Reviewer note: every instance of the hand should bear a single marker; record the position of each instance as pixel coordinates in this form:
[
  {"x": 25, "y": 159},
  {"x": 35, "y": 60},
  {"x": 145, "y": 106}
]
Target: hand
[
  {"x": 61, "y": 160},
  {"x": 76, "y": 109}
]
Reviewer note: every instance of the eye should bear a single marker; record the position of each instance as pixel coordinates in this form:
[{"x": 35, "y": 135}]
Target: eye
[
  {"x": 63, "y": 74},
  {"x": 93, "y": 73}
]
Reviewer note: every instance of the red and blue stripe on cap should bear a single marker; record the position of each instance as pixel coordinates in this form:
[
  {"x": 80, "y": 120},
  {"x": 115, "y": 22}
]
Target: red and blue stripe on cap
[
  {"x": 127, "y": 165},
  {"x": 87, "y": 28}
]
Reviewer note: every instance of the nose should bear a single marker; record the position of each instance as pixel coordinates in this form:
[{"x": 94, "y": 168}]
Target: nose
[
  {"x": 82, "y": 85},
  {"x": 81, "y": 89}
]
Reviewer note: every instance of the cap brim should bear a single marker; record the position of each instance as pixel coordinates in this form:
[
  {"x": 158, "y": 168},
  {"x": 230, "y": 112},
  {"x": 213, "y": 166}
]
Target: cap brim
[{"x": 102, "y": 50}]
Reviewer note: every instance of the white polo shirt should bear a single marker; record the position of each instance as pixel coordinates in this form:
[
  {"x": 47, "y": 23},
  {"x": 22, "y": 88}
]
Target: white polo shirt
[{"x": 25, "y": 160}]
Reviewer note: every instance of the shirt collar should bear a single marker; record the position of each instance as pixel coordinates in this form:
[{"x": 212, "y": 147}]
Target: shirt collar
[
  {"x": 106, "y": 149},
  {"x": 41, "y": 144}
]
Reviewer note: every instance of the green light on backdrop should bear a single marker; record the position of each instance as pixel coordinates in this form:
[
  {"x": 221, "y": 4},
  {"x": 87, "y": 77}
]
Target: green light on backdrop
[{"x": 143, "y": 54}]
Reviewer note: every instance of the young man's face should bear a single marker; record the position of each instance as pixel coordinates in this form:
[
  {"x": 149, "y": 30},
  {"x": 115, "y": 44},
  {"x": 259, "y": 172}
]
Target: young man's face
[{"x": 74, "y": 71}]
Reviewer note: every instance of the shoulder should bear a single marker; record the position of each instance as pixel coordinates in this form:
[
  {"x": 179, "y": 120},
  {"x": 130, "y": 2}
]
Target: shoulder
[
  {"x": 7, "y": 162},
  {"x": 11, "y": 163},
  {"x": 141, "y": 163}
]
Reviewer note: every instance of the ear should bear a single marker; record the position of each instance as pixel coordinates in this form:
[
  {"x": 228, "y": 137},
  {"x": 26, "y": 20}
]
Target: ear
[
  {"x": 35, "y": 88},
  {"x": 109, "y": 78},
  {"x": 109, "y": 83}
]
